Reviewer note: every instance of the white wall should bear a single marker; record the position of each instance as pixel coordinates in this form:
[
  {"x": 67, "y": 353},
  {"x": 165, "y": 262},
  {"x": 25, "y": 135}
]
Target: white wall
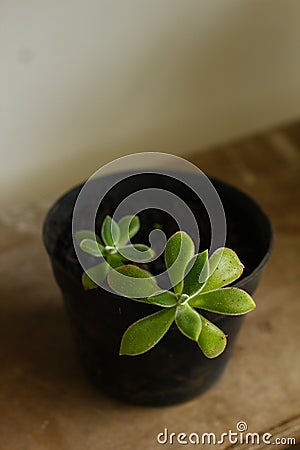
[{"x": 83, "y": 82}]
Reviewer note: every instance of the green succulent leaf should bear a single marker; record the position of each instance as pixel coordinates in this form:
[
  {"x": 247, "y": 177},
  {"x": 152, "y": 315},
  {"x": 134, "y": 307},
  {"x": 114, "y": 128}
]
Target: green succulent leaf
[
  {"x": 142, "y": 335},
  {"x": 132, "y": 281},
  {"x": 115, "y": 260},
  {"x": 129, "y": 226},
  {"x": 224, "y": 268},
  {"x": 97, "y": 272},
  {"x": 196, "y": 273},
  {"x": 86, "y": 234},
  {"x": 137, "y": 253},
  {"x": 166, "y": 299},
  {"x": 179, "y": 250},
  {"x": 87, "y": 282},
  {"x": 92, "y": 247},
  {"x": 228, "y": 301},
  {"x": 212, "y": 340},
  {"x": 188, "y": 321},
  {"x": 110, "y": 232}
]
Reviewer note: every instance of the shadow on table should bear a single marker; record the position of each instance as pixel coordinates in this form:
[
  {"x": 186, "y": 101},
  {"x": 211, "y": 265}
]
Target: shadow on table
[{"x": 39, "y": 366}]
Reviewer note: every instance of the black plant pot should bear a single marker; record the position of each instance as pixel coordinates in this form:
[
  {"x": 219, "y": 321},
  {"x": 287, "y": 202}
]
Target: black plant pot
[{"x": 175, "y": 370}]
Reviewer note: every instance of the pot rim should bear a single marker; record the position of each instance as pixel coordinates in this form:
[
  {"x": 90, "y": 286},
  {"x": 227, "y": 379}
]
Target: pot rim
[{"x": 213, "y": 179}]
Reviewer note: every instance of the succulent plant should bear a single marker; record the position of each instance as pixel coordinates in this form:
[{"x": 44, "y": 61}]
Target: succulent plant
[
  {"x": 199, "y": 284},
  {"x": 114, "y": 249}
]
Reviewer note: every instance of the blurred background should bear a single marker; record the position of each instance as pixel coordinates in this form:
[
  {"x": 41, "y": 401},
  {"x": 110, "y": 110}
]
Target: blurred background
[{"x": 85, "y": 82}]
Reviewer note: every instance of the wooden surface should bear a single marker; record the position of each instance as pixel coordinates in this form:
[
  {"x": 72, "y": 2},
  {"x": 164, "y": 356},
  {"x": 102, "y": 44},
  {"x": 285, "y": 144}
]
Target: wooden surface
[{"x": 45, "y": 400}]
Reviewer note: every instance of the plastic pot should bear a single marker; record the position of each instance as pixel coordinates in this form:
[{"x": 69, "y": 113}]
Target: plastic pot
[{"x": 175, "y": 370}]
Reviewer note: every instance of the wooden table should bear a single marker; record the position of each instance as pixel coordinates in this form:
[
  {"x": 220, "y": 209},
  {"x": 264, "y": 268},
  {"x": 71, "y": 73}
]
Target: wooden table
[{"x": 47, "y": 403}]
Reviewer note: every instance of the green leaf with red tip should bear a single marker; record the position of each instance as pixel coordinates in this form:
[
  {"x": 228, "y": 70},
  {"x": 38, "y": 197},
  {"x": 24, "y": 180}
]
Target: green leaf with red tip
[{"x": 97, "y": 273}]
